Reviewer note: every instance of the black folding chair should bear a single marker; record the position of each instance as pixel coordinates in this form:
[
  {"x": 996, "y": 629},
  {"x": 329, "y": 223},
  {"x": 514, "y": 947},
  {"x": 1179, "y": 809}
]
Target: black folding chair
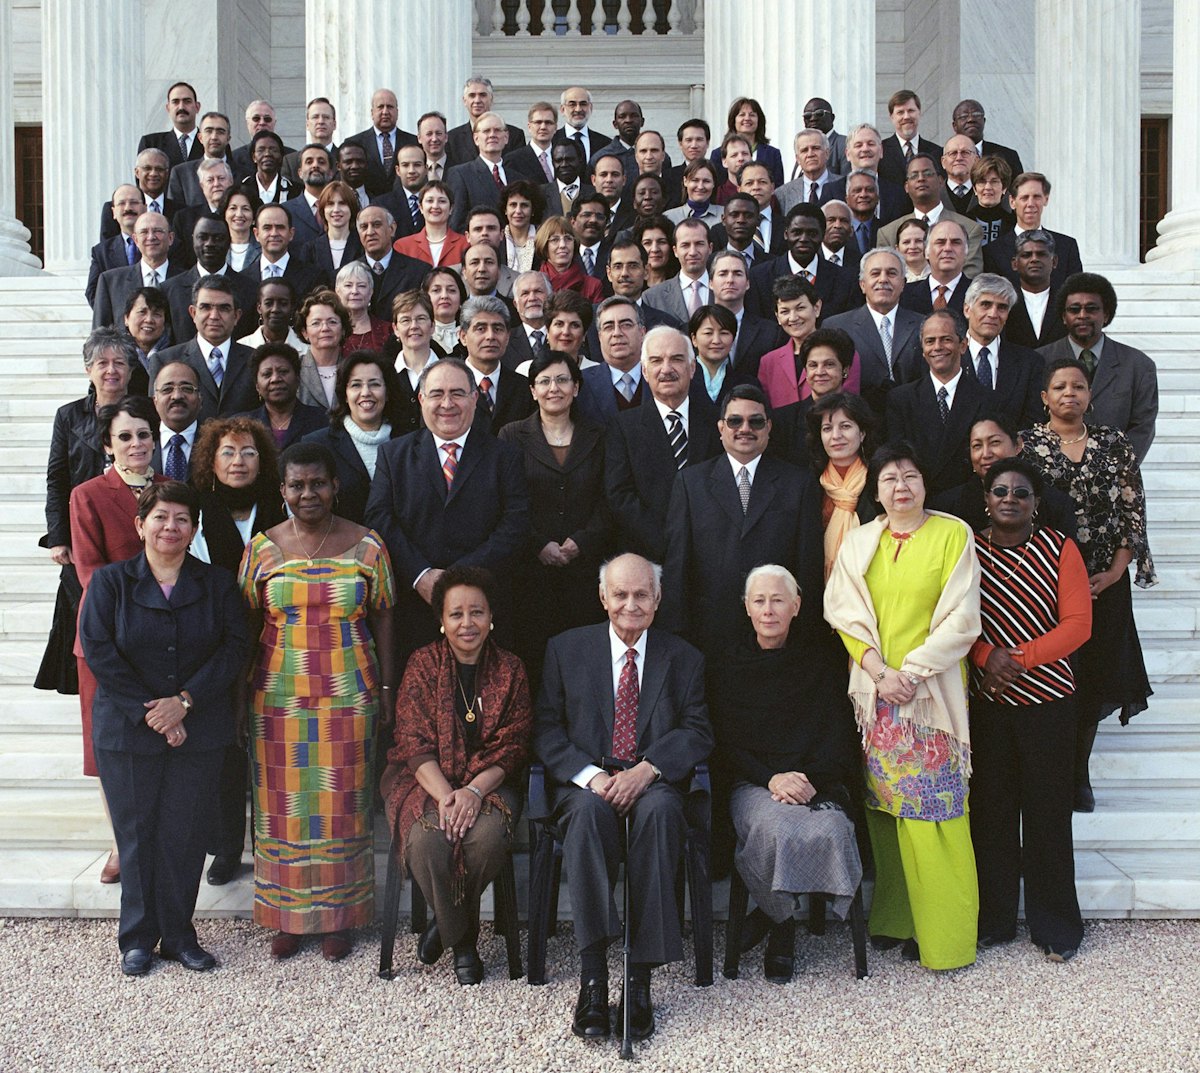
[{"x": 545, "y": 872}]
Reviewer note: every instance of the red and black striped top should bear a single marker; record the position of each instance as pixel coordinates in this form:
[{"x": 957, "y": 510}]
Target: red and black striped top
[{"x": 1034, "y": 597}]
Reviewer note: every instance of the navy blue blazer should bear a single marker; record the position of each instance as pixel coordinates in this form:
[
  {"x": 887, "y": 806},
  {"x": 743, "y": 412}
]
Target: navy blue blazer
[
  {"x": 142, "y": 646},
  {"x": 596, "y": 399}
]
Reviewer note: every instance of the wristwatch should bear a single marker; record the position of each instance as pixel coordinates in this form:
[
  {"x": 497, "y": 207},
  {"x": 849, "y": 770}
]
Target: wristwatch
[{"x": 187, "y": 704}]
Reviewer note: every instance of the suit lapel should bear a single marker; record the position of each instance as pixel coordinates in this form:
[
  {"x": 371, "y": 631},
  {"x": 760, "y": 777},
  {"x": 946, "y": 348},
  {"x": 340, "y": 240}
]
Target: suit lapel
[
  {"x": 429, "y": 458},
  {"x": 762, "y": 492},
  {"x": 723, "y": 488},
  {"x": 1108, "y": 370},
  {"x": 654, "y": 674}
]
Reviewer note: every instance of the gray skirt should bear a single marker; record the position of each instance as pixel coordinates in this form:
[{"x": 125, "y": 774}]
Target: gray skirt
[{"x": 784, "y": 851}]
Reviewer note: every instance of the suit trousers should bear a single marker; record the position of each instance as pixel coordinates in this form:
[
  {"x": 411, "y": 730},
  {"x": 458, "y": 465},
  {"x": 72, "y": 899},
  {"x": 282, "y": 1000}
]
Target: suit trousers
[
  {"x": 592, "y": 834},
  {"x": 431, "y": 861},
  {"x": 1022, "y": 788},
  {"x": 161, "y": 806},
  {"x": 227, "y": 836}
]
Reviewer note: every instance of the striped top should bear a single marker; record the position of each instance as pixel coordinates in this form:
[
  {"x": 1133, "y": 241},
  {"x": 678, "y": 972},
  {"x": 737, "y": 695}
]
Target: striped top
[{"x": 1034, "y": 597}]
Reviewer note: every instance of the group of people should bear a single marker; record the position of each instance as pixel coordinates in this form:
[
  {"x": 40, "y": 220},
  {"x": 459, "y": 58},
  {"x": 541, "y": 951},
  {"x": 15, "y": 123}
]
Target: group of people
[{"x": 858, "y": 545}]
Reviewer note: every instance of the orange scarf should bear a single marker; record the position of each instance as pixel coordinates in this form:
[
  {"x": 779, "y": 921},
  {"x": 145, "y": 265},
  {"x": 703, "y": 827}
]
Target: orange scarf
[{"x": 843, "y": 493}]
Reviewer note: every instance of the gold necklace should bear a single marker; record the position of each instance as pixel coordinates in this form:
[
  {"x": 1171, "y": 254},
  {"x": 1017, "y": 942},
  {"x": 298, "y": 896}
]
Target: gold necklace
[
  {"x": 469, "y": 705},
  {"x": 992, "y": 551},
  {"x": 1067, "y": 443},
  {"x": 296, "y": 534}
]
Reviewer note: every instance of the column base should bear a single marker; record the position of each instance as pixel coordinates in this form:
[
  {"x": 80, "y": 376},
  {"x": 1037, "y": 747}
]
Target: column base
[
  {"x": 1178, "y": 241},
  {"x": 15, "y": 258}
]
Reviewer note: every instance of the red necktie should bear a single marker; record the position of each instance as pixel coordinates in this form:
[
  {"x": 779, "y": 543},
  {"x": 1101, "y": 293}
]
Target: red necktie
[
  {"x": 625, "y": 710},
  {"x": 496, "y": 177},
  {"x": 450, "y": 466},
  {"x": 940, "y": 301}
]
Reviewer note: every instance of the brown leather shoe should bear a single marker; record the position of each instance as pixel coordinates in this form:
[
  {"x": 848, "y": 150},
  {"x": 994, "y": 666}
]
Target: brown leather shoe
[
  {"x": 336, "y": 945},
  {"x": 284, "y": 945},
  {"x": 111, "y": 872}
]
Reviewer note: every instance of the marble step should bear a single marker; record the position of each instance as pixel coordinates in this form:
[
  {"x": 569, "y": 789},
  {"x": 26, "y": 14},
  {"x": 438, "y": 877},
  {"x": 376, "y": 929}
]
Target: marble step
[{"x": 1112, "y": 884}]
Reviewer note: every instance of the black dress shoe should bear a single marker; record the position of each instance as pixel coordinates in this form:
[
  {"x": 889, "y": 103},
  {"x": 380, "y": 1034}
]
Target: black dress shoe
[
  {"x": 885, "y": 942},
  {"x": 429, "y": 946},
  {"x": 223, "y": 868},
  {"x": 779, "y": 968},
  {"x": 194, "y": 957},
  {"x": 911, "y": 951},
  {"x": 1085, "y": 800},
  {"x": 755, "y": 929},
  {"x": 591, "y": 1010},
  {"x": 136, "y": 961},
  {"x": 641, "y": 1014},
  {"x": 467, "y": 967},
  {"x": 996, "y": 938}
]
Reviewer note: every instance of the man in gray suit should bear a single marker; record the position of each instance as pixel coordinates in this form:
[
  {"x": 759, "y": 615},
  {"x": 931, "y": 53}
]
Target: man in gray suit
[
  {"x": 1124, "y": 380},
  {"x": 152, "y": 234},
  {"x": 629, "y": 692},
  {"x": 885, "y": 335},
  {"x": 681, "y": 295},
  {"x": 184, "y": 186}
]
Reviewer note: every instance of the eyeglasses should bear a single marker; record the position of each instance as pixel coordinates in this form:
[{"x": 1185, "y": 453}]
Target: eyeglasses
[
  {"x": 454, "y": 395},
  {"x": 141, "y": 434},
  {"x": 563, "y": 380},
  {"x": 928, "y": 173},
  {"x": 818, "y": 114},
  {"x": 969, "y": 115},
  {"x": 410, "y": 322},
  {"x": 1002, "y": 491},
  {"x": 228, "y": 454},
  {"x": 756, "y": 421},
  {"x": 167, "y": 390},
  {"x": 1076, "y": 309}
]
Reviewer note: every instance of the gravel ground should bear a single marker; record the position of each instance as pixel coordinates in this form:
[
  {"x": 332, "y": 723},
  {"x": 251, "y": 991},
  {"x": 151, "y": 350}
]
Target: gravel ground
[{"x": 1129, "y": 1001}]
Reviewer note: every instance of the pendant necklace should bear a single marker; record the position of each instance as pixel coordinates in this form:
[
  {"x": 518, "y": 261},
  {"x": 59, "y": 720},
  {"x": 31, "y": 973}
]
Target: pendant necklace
[
  {"x": 300, "y": 543},
  {"x": 469, "y": 705}
]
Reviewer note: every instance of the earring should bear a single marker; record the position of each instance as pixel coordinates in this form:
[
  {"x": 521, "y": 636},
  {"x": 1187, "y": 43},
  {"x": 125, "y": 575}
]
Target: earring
[
  {"x": 441, "y": 629},
  {"x": 491, "y": 625}
]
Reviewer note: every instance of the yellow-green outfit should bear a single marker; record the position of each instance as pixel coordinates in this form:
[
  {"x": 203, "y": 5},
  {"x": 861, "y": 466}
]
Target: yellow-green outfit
[{"x": 916, "y": 602}]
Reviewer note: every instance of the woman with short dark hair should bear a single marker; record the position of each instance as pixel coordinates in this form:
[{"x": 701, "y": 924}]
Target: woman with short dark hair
[{"x": 276, "y": 371}]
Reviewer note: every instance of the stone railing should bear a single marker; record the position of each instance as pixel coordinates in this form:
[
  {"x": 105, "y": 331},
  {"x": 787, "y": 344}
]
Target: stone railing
[{"x": 587, "y": 18}]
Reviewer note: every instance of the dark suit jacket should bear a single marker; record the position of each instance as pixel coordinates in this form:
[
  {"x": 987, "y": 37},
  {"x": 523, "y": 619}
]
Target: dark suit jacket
[
  {"x": 483, "y": 520},
  {"x": 284, "y": 191},
  {"x": 893, "y": 202},
  {"x": 183, "y": 187},
  {"x": 565, "y": 136},
  {"x": 720, "y": 241},
  {"x": 243, "y": 166},
  {"x": 764, "y": 154},
  {"x": 106, "y": 255},
  {"x": 1017, "y": 390},
  {"x": 1019, "y": 328},
  {"x": 183, "y": 223},
  {"x": 835, "y": 286},
  {"x": 640, "y": 471},
  {"x": 115, "y": 287},
  {"x": 304, "y": 219},
  {"x": 396, "y": 202},
  {"x": 319, "y": 255},
  {"x": 109, "y": 227},
  {"x": 1011, "y": 156},
  {"x": 460, "y": 143},
  {"x": 919, "y": 298},
  {"x": 354, "y": 482},
  {"x": 712, "y": 546},
  {"x": 379, "y": 179},
  {"x": 999, "y": 253},
  {"x": 573, "y": 724},
  {"x": 525, "y": 157},
  {"x": 305, "y": 419},
  {"x": 168, "y": 142},
  {"x": 892, "y": 166},
  {"x": 141, "y": 645},
  {"x": 906, "y": 352},
  {"x": 1056, "y": 509},
  {"x": 912, "y": 414},
  {"x": 76, "y": 455},
  {"x": 514, "y": 402},
  {"x": 597, "y": 400},
  {"x": 236, "y": 394},
  {"x": 472, "y": 184},
  {"x": 178, "y": 292},
  {"x": 302, "y": 275},
  {"x": 553, "y": 196},
  {"x": 402, "y": 274},
  {"x": 1124, "y": 390},
  {"x": 755, "y": 337}
]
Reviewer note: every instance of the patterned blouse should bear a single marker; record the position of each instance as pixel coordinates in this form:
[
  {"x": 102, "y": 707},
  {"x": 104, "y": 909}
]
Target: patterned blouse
[{"x": 1106, "y": 485}]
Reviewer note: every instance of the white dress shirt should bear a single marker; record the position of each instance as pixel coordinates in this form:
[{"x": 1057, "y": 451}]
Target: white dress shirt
[
  {"x": 265, "y": 266},
  {"x": 950, "y": 385},
  {"x": 681, "y": 410},
  {"x": 993, "y": 349},
  {"x": 751, "y": 467},
  {"x": 1035, "y": 306}
]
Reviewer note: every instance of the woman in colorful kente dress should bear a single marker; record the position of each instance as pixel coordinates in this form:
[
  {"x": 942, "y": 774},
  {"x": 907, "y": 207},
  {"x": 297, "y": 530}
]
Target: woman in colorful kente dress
[
  {"x": 320, "y": 588},
  {"x": 904, "y": 595}
]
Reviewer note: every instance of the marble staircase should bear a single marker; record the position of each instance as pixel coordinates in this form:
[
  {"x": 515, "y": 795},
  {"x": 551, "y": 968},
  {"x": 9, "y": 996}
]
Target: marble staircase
[{"x": 1138, "y": 855}]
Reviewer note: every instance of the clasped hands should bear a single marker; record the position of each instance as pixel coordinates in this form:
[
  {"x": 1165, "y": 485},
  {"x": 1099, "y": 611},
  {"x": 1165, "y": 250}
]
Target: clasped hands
[
  {"x": 791, "y": 788},
  {"x": 457, "y": 812},
  {"x": 555, "y": 554},
  {"x": 165, "y": 715},
  {"x": 624, "y": 788},
  {"x": 1001, "y": 670}
]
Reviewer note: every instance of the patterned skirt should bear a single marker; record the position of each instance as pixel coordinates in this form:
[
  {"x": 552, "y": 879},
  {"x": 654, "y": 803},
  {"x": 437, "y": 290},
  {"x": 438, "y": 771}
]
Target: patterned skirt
[
  {"x": 913, "y": 772},
  {"x": 314, "y": 863}
]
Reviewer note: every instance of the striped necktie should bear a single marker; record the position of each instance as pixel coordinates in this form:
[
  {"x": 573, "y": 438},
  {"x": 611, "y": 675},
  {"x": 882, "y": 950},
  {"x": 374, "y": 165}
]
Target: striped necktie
[
  {"x": 678, "y": 438},
  {"x": 450, "y": 466}
]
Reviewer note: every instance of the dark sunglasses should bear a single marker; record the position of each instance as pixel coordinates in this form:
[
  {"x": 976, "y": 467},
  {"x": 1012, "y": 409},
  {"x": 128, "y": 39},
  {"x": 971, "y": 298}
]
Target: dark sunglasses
[
  {"x": 1002, "y": 491},
  {"x": 756, "y": 421}
]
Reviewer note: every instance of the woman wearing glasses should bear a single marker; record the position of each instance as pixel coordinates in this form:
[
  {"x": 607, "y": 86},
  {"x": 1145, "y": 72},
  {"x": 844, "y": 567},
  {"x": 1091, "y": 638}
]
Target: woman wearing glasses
[{"x": 569, "y": 526}]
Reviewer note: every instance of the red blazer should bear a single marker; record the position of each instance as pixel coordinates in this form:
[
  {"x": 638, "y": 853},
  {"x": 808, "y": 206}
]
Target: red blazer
[
  {"x": 777, "y": 374},
  {"x": 417, "y": 246},
  {"x": 102, "y": 531}
]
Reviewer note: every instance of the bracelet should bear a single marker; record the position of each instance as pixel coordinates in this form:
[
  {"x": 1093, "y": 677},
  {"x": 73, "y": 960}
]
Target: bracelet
[
  {"x": 474, "y": 791},
  {"x": 387, "y": 689},
  {"x": 187, "y": 704},
  {"x": 881, "y": 675}
]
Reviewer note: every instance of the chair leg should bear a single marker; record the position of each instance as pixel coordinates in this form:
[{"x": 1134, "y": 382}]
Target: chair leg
[
  {"x": 420, "y": 910},
  {"x": 391, "y": 910},
  {"x": 505, "y": 887},
  {"x": 816, "y": 914},
  {"x": 858, "y": 930},
  {"x": 541, "y": 879},
  {"x": 699, "y": 881},
  {"x": 552, "y": 919},
  {"x": 739, "y": 900}
]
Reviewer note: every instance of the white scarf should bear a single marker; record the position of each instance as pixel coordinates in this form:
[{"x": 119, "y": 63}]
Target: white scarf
[{"x": 366, "y": 442}]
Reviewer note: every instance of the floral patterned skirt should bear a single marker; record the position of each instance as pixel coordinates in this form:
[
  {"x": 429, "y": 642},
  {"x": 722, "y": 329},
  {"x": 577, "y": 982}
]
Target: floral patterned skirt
[{"x": 913, "y": 772}]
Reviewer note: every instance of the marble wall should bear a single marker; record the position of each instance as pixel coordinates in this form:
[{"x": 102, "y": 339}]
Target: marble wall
[{"x": 997, "y": 68}]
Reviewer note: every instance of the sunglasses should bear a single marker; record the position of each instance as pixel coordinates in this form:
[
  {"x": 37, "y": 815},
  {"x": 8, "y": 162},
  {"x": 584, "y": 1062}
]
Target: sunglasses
[
  {"x": 756, "y": 421},
  {"x": 1001, "y": 491},
  {"x": 141, "y": 434}
]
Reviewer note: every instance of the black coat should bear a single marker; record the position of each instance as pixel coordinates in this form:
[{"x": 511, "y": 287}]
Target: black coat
[
  {"x": 236, "y": 394},
  {"x": 1017, "y": 390},
  {"x": 1019, "y": 327},
  {"x": 76, "y": 455},
  {"x": 835, "y": 286},
  {"x": 305, "y": 419},
  {"x": 514, "y": 402},
  {"x": 354, "y": 482},
  {"x": 303, "y": 276},
  {"x": 999, "y": 253},
  {"x": 379, "y": 179},
  {"x": 918, "y": 296},
  {"x": 221, "y": 534},
  {"x": 321, "y": 257},
  {"x": 912, "y": 414},
  {"x": 178, "y": 292},
  {"x": 142, "y": 646}
]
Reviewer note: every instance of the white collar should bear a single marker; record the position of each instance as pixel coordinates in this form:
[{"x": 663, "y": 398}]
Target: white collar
[
  {"x": 188, "y": 434},
  {"x": 681, "y": 410},
  {"x": 618, "y": 648},
  {"x": 752, "y": 465},
  {"x": 206, "y": 348},
  {"x": 459, "y": 441}
]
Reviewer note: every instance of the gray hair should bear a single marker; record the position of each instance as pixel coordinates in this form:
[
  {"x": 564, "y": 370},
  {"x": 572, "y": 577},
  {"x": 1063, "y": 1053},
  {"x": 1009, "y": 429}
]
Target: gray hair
[
  {"x": 868, "y": 173},
  {"x": 445, "y": 363},
  {"x": 479, "y": 80},
  {"x": 353, "y": 268},
  {"x": 472, "y": 307},
  {"x": 208, "y": 164},
  {"x": 1037, "y": 234},
  {"x": 772, "y": 570},
  {"x": 145, "y": 155},
  {"x": 808, "y": 132},
  {"x": 660, "y": 330},
  {"x": 492, "y": 115},
  {"x": 620, "y": 300},
  {"x": 990, "y": 283},
  {"x": 562, "y": 97},
  {"x": 891, "y": 251},
  {"x": 531, "y": 274},
  {"x": 862, "y": 126},
  {"x": 101, "y": 339},
  {"x": 255, "y": 104},
  {"x": 837, "y": 202},
  {"x": 655, "y": 570}
]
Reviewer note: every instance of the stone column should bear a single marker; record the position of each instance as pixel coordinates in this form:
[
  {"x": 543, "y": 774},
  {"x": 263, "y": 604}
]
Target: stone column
[
  {"x": 91, "y": 55},
  {"x": 782, "y": 52},
  {"x": 1088, "y": 124},
  {"x": 15, "y": 258},
  {"x": 420, "y": 49},
  {"x": 1179, "y": 232}
]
